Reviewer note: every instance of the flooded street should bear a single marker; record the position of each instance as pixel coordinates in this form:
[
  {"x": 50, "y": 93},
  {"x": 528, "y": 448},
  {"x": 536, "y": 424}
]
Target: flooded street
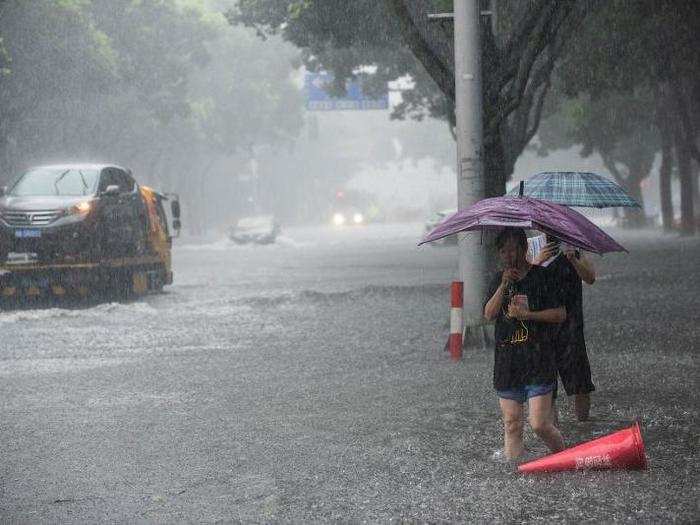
[
  {"x": 306, "y": 380},
  {"x": 213, "y": 308}
]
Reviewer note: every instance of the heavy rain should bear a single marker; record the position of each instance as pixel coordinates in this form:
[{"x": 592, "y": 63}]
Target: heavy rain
[{"x": 213, "y": 302}]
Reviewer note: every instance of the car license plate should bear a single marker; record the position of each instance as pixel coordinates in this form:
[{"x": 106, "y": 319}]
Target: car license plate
[
  {"x": 23, "y": 234},
  {"x": 36, "y": 282}
]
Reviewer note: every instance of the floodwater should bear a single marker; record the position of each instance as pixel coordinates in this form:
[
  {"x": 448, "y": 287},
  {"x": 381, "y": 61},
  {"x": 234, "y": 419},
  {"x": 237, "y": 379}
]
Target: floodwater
[{"x": 307, "y": 380}]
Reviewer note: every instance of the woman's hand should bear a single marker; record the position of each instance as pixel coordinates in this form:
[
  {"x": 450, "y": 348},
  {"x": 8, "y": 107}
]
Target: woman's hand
[
  {"x": 510, "y": 276},
  {"x": 518, "y": 311}
]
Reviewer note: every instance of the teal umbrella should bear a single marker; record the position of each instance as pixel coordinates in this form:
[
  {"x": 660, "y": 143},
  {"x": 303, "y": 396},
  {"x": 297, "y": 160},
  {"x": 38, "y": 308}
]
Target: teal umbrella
[{"x": 575, "y": 188}]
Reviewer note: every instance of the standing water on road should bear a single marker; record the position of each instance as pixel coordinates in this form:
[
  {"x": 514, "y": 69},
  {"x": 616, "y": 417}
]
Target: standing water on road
[{"x": 306, "y": 380}]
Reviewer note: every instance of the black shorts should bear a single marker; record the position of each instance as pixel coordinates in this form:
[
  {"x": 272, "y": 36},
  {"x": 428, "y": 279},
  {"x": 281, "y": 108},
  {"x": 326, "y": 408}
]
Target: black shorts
[{"x": 573, "y": 368}]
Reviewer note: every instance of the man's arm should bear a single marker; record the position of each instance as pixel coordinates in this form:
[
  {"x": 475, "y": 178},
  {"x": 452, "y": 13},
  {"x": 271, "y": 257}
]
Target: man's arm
[{"x": 583, "y": 266}]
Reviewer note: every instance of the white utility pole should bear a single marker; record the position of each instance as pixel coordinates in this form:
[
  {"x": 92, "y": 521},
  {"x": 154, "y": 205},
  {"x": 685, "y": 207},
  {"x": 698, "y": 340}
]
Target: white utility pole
[{"x": 470, "y": 172}]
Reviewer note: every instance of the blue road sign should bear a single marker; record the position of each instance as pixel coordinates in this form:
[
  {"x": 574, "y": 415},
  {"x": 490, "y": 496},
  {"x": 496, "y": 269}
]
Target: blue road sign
[{"x": 317, "y": 99}]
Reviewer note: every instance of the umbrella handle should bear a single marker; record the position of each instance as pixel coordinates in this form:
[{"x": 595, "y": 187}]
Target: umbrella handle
[{"x": 522, "y": 188}]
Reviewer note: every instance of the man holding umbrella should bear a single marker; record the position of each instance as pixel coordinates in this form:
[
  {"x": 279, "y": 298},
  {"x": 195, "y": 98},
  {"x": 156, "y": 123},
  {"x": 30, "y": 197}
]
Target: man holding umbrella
[
  {"x": 566, "y": 272},
  {"x": 569, "y": 269}
]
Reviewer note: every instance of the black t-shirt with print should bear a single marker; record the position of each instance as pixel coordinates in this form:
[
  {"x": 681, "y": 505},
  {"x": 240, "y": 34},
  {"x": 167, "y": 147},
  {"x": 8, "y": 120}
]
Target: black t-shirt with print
[
  {"x": 524, "y": 354},
  {"x": 562, "y": 275}
]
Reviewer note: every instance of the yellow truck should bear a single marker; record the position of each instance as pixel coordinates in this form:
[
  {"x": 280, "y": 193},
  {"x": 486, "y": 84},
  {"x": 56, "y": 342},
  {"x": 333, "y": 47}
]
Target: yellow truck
[{"x": 83, "y": 230}]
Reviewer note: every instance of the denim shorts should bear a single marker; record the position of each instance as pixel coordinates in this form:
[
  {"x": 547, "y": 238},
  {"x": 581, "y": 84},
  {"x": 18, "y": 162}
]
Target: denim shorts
[{"x": 524, "y": 393}]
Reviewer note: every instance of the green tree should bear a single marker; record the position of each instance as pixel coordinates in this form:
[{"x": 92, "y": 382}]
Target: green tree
[
  {"x": 397, "y": 39},
  {"x": 59, "y": 62},
  {"x": 619, "y": 127},
  {"x": 166, "y": 87},
  {"x": 635, "y": 66},
  {"x": 4, "y": 57},
  {"x": 245, "y": 107}
]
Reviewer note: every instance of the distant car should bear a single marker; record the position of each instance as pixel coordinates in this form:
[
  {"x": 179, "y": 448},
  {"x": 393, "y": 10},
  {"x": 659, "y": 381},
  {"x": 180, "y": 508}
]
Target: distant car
[
  {"x": 435, "y": 219},
  {"x": 256, "y": 229},
  {"x": 349, "y": 217}
]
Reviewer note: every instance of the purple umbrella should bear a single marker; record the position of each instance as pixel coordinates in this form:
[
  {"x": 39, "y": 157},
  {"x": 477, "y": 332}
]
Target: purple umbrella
[{"x": 525, "y": 212}]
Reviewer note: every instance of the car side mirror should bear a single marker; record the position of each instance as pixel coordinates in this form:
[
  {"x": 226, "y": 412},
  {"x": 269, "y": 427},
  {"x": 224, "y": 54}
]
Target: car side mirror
[
  {"x": 111, "y": 190},
  {"x": 175, "y": 209}
]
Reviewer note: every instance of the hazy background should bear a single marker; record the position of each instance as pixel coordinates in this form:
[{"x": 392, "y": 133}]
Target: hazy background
[{"x": 196, "y": 106}]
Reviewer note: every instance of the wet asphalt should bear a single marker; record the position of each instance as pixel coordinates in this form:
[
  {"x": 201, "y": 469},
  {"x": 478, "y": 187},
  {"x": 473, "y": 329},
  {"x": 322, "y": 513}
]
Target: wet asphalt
[{"x": 307, "y": 382}]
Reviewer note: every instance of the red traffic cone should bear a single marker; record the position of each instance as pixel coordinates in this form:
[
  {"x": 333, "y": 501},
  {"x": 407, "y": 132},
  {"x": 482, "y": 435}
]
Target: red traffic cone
[{"x": 623, "y": 449}]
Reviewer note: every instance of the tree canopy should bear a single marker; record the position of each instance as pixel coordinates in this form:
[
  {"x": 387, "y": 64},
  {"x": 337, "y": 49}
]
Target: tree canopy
[
  {"x": 628, "y": 86},
  {"x": 396, "y": 39},
  {"x": 166, "y": 87}
]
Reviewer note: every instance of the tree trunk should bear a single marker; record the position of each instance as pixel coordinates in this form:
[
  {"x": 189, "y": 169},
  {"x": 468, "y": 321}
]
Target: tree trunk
[
  {"x": 665, "y": 179},
  {"x": 685, "y": 172},
  {"x": 695, "y": 177},
  {"x": 634, "y": 217},
  {"x": 494, "y": 168}
]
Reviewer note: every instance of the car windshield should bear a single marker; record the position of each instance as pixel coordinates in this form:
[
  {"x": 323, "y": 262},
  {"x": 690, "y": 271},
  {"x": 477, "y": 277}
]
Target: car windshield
[{"x": 56, "y": 181}]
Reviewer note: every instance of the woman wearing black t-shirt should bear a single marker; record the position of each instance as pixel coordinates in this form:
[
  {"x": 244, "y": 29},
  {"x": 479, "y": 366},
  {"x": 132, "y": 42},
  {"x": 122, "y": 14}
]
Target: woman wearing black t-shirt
[{"x": 526, "y": 311}]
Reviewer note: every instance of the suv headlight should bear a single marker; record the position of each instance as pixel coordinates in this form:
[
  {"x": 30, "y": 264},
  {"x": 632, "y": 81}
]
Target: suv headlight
[{"x": 82, "y": 208}]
